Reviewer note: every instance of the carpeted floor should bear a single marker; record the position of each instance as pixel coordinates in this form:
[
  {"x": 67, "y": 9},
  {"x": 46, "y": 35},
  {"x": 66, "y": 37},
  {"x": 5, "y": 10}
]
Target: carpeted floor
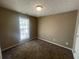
[{"x": 37, "y": 49}]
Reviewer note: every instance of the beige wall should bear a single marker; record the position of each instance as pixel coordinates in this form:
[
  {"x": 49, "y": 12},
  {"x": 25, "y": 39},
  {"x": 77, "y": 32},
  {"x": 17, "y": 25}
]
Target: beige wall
[
  {"x": 58, "y": 28},
  {"x": 9, "y": 27}
]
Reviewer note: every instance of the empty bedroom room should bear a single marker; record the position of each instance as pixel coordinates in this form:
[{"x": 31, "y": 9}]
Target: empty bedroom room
[{"x": 39, "y": 29}]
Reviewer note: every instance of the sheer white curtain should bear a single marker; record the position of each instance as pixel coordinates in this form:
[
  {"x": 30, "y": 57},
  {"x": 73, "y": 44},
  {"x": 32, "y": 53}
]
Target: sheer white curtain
[{"x": 24, "y": 28}]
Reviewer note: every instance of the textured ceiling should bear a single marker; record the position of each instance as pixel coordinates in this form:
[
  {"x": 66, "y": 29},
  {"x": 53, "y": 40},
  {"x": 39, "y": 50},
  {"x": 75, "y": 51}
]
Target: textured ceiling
[{"x": 49, "y": 6}]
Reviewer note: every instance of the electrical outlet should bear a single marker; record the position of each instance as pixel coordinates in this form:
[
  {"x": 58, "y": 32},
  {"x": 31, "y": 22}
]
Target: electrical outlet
[{"x": 67, "y": 43}]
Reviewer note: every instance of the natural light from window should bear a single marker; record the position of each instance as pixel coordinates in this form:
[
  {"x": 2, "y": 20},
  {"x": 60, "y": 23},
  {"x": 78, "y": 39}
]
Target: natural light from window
[{"x": 24, "y": 28}]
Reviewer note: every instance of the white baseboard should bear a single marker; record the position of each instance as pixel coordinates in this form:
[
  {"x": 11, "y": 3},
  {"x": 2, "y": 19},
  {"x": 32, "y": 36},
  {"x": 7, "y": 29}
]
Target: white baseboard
[
  {"x": 15, "y": 45},
  {"x": 10, "y": 47},
  {"x": 43, "y": 40},
  {"x": 56, "y": 44}
]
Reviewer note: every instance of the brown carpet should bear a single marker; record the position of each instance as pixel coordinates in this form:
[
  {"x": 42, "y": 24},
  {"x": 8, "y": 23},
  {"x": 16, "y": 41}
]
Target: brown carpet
[{"x": 37, "y": 49}]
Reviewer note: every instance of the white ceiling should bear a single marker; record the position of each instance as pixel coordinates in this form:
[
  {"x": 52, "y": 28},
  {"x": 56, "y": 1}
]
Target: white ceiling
[{"x": 49, "y": 6}]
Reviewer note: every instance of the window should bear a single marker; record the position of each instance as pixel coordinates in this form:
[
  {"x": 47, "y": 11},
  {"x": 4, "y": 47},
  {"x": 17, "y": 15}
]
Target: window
[{"x": 24, "y": 28}]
